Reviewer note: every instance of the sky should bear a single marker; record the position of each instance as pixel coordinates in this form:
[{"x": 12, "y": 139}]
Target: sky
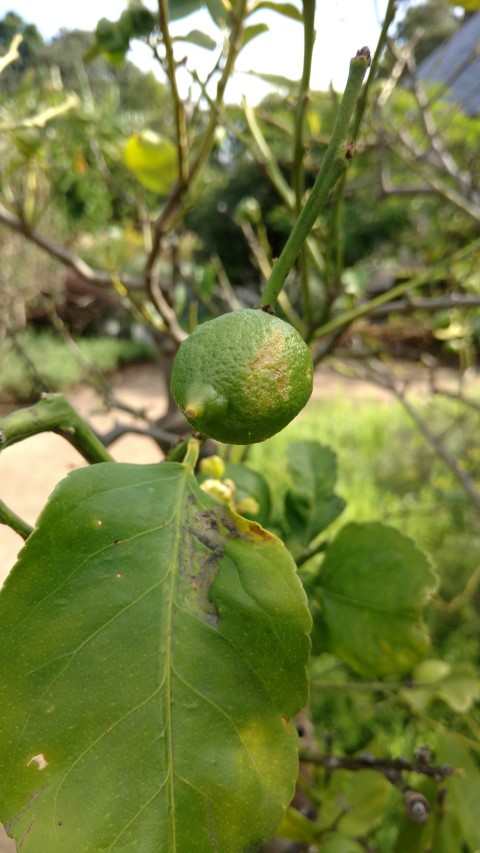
[{"x": 342, "y": 27}]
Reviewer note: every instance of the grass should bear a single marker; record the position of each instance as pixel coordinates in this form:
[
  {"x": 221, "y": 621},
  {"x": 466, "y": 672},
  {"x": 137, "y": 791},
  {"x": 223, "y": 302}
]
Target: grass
[
  {"x": 39, "y": 362},
  {"x": 388, "y": 472}
]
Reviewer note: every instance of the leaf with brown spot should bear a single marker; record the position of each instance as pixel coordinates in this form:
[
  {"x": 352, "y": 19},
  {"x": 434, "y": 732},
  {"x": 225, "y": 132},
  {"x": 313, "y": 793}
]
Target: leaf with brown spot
[{"x": 151, "y": 661}]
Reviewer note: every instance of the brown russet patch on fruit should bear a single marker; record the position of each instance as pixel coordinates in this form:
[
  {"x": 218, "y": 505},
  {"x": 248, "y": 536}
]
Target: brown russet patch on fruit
[{"x": 269, "y": 359}]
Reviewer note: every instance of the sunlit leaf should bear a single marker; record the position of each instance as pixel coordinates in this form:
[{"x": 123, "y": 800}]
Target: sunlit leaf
[
  {"x": 152, "y": 159},
  {"x": 198, "y": 38},
  {"x": 455, "y": 684},
  {"x": 154, "y": 647},
  {"x": 286, "y": 9},
  {"x": 220, "y": 11},
  {"x": 371, "y": 591},
  {"x": 276, "y": 80},
  {"x": 252, "y": 32},
  {"x": 181, "y": 8}
]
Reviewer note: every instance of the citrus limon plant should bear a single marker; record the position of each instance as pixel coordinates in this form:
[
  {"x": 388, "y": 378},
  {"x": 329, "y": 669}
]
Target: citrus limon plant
[{"x": 156, "y": 632}]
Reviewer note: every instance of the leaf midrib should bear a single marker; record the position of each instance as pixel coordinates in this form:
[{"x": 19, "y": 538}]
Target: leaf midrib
[
  {"x": 357, "y": 602},
  {"x": 180, "y": 504}
]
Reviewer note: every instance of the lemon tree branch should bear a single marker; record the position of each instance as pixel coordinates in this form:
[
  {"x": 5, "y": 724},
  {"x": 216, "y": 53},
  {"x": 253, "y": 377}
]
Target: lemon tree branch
[
  {"x": 308, "y": 14},
  {"x": 333, "y": 166},
  {"x": 53, "y": 413},
  {"x": 11, "y": 519},
  {"x": 433, "y": 273}
]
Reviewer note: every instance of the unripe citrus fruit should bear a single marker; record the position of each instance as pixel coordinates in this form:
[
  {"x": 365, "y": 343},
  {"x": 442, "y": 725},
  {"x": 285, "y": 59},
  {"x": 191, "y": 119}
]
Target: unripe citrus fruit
[{"x": 242, "y": 377}]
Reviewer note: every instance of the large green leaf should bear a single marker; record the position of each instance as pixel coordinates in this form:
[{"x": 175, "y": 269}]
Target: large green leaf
[
  {"x": 372, "y": 588},
  {"x": 311, "y": 503},
  {"x": 154, "y": 647}
]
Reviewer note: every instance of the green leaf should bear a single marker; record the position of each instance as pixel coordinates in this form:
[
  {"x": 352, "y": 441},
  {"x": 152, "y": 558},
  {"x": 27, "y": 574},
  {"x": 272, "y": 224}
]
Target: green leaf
[
  {"x": 252, "y": 32},
  {"x": 153, "y": 161},
  {"x": 181, "y": 8},
  {"x": 463, "y": 789},
  {"x": 311, "y": 503},
  {"x": 199, "y": 38},
  {"x": 154, "y": 647},
  {"x": 371, "y": 590},
  {"x": 297, "y": 827},
  {"x": 286, "y": 9},
  {"x": 455, "y": 684},
  {"x": 367, "y": 794},
  {"x": 276, "y": 80},
  {"x": 219, "y": 12}
]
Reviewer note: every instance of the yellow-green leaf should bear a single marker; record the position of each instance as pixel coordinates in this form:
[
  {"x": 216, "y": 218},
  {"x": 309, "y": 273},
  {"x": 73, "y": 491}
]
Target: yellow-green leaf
[{"x": 153, "y": 160}]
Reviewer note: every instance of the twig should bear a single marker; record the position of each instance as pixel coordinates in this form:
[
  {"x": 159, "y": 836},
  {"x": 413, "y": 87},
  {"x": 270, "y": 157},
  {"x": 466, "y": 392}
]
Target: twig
[
  {"x": 307, "y": 555},
  {"x": 390, "y": 13},
  {"x": 11, "y": 519},
  {"x": 442, "y": 452},
  {"x": 162, "y": 436},
  {"x": 463, "y": 597},
  {"x": 178, "y": 105},
  {"x": 308, "y": 15},
  {"x": 53, "y": 413},
  {"x": 430, "y": 304},
  {"x": 172, "y": 211},
  {"x": 334, "y": 164},
  {"x": 434, "y": 273},
  {"x": 365, "y": 761},
  {"x": 12, "y": 53},
  {"x": 388, "y": 381},
  {"x": 69, "y": 259},
  {"x": 39, "y": 380}
]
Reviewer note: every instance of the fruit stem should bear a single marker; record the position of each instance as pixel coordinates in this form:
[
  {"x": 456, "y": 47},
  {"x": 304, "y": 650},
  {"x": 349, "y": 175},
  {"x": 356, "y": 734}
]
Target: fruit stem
[
  {"x": 191, "y": 456},
  {"x": 334, "y": 164}
]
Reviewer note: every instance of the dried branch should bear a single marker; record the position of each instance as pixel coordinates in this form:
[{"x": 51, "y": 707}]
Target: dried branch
[
  {"x": 163, "y": 437},
  {"x": 389, "y": 767},
  {"x": 173, "y": 209},
  {"x": 443, "y": 157},
  {"x": 95, "y": 277},
  {"x": 98, "y": 277},
  {"x": 178, "y": 105},
  {"x": 430, "y": 304},
  {"x": 389, "y": 382},
  {"x": 12, "y": 53}
]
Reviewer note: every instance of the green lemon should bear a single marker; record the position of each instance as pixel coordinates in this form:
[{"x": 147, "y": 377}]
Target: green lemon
[{"x": 242, "y": 377}]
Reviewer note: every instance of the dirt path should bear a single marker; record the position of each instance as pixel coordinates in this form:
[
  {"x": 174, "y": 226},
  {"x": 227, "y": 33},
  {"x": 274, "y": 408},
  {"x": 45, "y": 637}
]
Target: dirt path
[{"x": 30, "y": 470}]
